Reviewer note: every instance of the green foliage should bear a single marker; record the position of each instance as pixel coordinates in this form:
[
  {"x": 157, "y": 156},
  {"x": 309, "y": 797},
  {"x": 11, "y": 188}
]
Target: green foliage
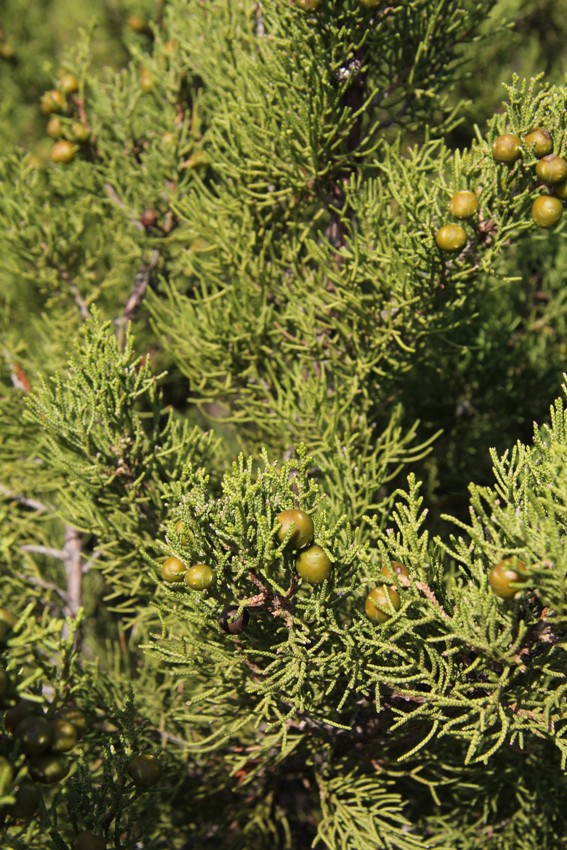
[{"x": 104, "y": 432}]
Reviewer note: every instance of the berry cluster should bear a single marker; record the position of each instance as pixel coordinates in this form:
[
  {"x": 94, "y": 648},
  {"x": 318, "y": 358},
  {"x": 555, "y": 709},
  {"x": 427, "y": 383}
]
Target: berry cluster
[
  {"x": 43, "y": 737},
  {"x": 197, "y": 577},
  {"x": 550, "y": 169},
  {"x": 66, "y": 123},
  {"x": 507, "y": 581},
  {"x": 295, "y": 530},
  {"x": 452, "y": 237}
]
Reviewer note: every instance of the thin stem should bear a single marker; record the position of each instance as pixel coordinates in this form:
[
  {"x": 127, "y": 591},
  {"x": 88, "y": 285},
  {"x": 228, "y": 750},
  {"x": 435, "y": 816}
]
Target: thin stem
[
  {"x": 49, "y": 551},
  {"x": 73, "y": 568},
  {"x": 24, "y": 500},
  {"x": 136, "y": 296}
]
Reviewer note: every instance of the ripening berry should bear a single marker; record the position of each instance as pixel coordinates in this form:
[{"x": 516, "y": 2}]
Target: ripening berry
[
  {"x": 308, "y": 5},
  {"x": 146, "y": 80},
  {"x": 394, "y": 568},
  {"x": 506, "y": 577},
  {"x": 137, "y": 23},
  {"x": 73, "y": 715},
  {"x": 144, "y": 771},
  {"x": 64, "y": 736},
  {"x": 380, "y": 598},
  {"x": 89, "y": 841},
  {"x": 552, "y": 169},
  {"x": 7, "y": 51},
  {"x": 546, "y": 210},
  {"x": 63, "y": 151},
  {"x": 540, "y": 141},
  {"x": 303, "y": 529},
  {"x": 52, "y": 101},
  {"x": 23, "y": 708},
  {"x": 451, "y": 238},
  {"x": 463, "y": 204},
  {"x": 34, "y": 735},
  {"x": 506, "y": 148},
  {"x": 313, "y": 565},
  {"x": 560, "y": 190},
  {"x": 68, "y": 84},
  {"x": 148, "y": 218},
  {"x": 54, "y": 127},
  {"x": 185, "y": 536},
  {"x": 231, "y": 622},
  {"x": 199, "y": 577},
  {"x": 173, "y": 570},
  {"x": 49, "y": 768},
  {"x": 80, "y": 132},
  {"x": 28, "y": 798}
]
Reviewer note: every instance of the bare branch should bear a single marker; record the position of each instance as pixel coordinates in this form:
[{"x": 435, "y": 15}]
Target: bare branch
[
  {"x": 48, "y": 585},
  {"x": 260, "y": 28},
  {"x": 24, "y": 500},
  {"x": 70, "y": 555},
  {"x": 74, "y": 289},
  {"x": 116, "y": 199},
  {"x": 86, "y": 567},
  {"x": 426, "y": 590},
  {"x": 36, "y": 549},
  {"x": 140, "y": 286},
  {"x": 72, "y": 560},
  {"x": 137, "y": 295}
]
